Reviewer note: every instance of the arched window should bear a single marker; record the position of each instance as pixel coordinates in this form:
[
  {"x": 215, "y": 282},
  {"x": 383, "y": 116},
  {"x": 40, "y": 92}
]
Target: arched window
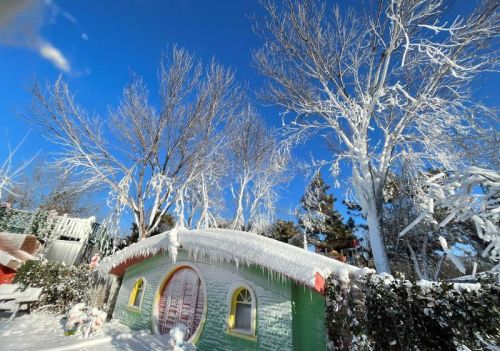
[
  {"x": 137, "y": 293},
  {"x": 242, "y": 312}
]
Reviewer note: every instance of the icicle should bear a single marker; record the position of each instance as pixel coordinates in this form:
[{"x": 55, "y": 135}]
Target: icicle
[
  {"x": 279, "y": 261},
  {"x": 173, "y": 244},
  {"x": 452, "y": 257},
  {"x": 431, "y": 205},
  {"x": 412, "y": 224}
]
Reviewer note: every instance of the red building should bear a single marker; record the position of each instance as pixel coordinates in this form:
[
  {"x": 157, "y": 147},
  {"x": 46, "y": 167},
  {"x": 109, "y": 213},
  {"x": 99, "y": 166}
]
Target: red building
[{"x": 14, "y": 250}]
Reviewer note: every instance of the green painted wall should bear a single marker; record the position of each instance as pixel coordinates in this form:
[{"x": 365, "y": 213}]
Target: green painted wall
[
  {"x": 138, "y": 320},
  {"x": 279, "y": 303},
  {"x": 309, "y": 330}
]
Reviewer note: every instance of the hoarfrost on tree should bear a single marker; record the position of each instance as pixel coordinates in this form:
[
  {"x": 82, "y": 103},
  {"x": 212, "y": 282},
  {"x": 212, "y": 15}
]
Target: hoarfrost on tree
[
  {"x": 153, "y": 153},
  {"x": 389, "y": 83}
]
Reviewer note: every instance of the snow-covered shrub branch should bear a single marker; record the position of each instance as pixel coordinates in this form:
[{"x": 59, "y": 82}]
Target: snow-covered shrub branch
[
  {"x": 389, "y": 82},
  {"x": 62, "y": 285}
]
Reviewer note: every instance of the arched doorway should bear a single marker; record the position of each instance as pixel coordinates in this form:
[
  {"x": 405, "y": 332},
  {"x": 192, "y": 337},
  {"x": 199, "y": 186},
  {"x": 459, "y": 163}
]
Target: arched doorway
[{"x": 182, "y": 300}]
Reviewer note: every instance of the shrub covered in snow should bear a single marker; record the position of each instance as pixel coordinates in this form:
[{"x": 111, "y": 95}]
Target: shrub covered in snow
[
  {"x": 62, "y": 285},
  {"x": 84, "y": 321},
  {"x": 383, "y": 313}
]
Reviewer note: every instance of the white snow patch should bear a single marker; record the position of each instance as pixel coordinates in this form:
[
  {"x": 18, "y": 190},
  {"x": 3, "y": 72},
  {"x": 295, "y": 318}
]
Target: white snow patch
[
  {"x": 44, "y": 331},
  {"x": 426, "y": 284}
]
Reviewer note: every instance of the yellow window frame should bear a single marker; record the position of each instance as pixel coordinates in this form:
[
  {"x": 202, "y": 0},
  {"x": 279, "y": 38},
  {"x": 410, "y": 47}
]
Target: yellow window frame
[
  {"x": 139, "y": 287},
  {"x": 232, "y": 315}
]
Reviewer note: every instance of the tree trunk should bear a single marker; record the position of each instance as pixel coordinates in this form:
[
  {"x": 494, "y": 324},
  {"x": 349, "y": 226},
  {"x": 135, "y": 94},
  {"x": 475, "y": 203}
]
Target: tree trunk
[
  {"x": 375, "y": 234},
  {"x": 239, "y": 219},
  {"x": 141, "y": 226},
  {"x": 305, "y": 239},
  {"x": 142, "y": 231},
  {"x": 203, "y": 222},
  {"x": 368, "y": 188}
]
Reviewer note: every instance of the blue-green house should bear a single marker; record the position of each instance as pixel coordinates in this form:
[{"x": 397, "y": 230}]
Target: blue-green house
[{"x": 232, "y": 290}]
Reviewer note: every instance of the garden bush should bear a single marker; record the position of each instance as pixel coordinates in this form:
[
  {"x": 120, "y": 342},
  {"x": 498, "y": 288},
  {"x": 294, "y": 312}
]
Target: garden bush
[
  {"x": 62, "y": 285},
  {"x": 395, "y": 314}
]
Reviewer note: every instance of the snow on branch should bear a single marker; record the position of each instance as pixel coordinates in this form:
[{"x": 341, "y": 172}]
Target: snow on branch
[
  {"x": 387, "y": 84},
  {"x": 8, "y": 173},
  {"x": 146, "y": 157},
  {"x": 470, "y": 194}
]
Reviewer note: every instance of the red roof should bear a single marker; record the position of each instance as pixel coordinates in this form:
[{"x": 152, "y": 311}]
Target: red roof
[{"x": 120, "y": 269}]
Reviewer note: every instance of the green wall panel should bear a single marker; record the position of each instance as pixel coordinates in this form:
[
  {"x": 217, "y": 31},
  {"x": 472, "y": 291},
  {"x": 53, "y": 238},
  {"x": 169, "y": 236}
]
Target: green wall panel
[{"x": 309, "y": 330}]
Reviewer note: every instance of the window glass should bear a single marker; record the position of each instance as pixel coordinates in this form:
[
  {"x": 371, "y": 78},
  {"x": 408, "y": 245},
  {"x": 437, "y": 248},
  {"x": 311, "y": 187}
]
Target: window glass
[
  {"x": 243, "y": 316},
  {"x": 242, "y": 311}
]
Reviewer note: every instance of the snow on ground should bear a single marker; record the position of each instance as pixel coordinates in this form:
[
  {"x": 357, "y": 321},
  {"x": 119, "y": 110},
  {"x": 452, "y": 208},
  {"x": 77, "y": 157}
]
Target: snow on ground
[{"x": 43, "y": 331}]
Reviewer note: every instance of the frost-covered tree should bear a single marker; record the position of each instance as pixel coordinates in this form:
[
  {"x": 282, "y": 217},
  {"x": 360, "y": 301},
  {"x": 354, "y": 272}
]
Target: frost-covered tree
[
  {"x": 284, "y": 231},
  {"x": 319, "y": 218},
  {"x": 310, "y": 216},
  {"x": 257, "y": 166},
  {"x": 204, "y": 196},
  {"x": 391, "y": 80},
  {"x": 419, "y": 250},
  {"x": 145, "y": 156}
]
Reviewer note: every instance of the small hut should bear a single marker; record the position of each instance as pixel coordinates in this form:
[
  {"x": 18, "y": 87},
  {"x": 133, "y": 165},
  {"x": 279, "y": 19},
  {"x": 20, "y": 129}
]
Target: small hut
[{"x": 232, "y": 290}]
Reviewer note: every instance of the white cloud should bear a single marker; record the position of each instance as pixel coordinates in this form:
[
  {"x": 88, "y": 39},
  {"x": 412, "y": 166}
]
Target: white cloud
[
  {"x": 85, "y": 36},
  {"x": 20, "y": 26},
  {"x": 55, "y": 56},
  {"x": 69, "y": 17}
]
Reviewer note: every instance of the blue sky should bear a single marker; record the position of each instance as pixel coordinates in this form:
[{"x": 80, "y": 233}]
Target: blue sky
[{"x": 104, "y": 41}]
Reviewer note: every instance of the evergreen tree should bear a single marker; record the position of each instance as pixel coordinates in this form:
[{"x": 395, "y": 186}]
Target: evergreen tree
[
  {"x": 321, "y": 222},
  {"x": 167, "y": 222},
  {"x": 285, "y": 231}
]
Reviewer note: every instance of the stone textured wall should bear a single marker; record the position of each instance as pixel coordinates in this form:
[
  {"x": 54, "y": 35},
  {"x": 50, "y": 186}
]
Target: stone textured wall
[{"x": 273, "y": 295}]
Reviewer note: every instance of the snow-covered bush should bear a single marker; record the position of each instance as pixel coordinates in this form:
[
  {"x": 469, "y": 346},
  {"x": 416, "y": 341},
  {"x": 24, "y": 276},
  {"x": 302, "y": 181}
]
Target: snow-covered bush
[
  {"x": 384, "y": 313},
  {"x": 84, "y": 321},
  {"x": 62, "y": 285}
]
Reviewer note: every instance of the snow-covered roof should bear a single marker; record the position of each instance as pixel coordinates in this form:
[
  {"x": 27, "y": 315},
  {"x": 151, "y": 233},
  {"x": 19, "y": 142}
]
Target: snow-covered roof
[
  {"x": 222, "y": 245},
  {"x": 16, "y": 248}
]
